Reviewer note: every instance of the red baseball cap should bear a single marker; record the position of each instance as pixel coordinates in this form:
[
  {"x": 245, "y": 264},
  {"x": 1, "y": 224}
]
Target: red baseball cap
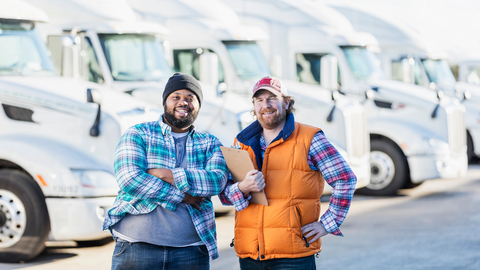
[{"x": 271, "y": 84}]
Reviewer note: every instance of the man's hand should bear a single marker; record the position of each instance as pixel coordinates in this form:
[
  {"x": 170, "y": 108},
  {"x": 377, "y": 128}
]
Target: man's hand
[
  {"x": 314, "y": 228},
  {"x": 189, "y": 199},
  {"x": 164, "y": 174},
  {"x": 253, "y": 182}
]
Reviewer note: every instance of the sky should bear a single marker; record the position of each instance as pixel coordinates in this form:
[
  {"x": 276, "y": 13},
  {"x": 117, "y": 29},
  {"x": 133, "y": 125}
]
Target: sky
[{"x": 453, "y": 26}]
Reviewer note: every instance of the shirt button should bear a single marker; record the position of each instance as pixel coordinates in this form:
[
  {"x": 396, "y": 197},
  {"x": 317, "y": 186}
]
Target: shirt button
[{"x": 263, "y": 256}]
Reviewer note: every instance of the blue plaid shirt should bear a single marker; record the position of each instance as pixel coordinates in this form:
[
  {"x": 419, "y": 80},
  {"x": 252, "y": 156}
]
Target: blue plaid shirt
[{"x": 151, "y": 145}]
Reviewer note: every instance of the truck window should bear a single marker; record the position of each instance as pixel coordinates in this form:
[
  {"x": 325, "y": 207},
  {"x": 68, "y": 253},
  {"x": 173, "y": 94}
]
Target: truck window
[
  {"x": 397, "y": 72},
  {"x": 92, "y": 71},
  {"x": 308, "y": 68},
  {"x": 135, "y": 57},
  {"x": 473, "y": 76},
  {"x": 22, "y": 51},
  {"x": 439, "y": 72},
  {"x": 363, "y": 63},
  {"x": 247, "y": 59},
  {"x": 186, "y": 61}
]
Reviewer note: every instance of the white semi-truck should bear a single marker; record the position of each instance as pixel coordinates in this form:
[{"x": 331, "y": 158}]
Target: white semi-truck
[
  {"x": 134, "y": 57},
  {"x": 211, "y": 26},
  {"x": 115, "y": 50},
  {"x": 414, "y": 135},
  {"x": 57, "y": 141},
  {"x": 406, "y": 57}
]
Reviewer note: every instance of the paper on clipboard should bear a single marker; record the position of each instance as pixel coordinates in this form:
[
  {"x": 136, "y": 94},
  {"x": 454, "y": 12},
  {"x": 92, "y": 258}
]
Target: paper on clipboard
[{"x": 239, "y": 164}]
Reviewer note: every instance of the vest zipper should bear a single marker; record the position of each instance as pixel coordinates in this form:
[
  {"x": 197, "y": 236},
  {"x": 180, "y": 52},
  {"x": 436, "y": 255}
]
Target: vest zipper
[
  {"x": 299, "y": 220},
  {"x": 233, "y": 242}
]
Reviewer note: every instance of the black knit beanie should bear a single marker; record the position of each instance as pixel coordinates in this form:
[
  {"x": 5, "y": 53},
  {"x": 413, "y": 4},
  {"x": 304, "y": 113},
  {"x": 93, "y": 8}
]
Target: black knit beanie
[{"x": 183, "y": 81}]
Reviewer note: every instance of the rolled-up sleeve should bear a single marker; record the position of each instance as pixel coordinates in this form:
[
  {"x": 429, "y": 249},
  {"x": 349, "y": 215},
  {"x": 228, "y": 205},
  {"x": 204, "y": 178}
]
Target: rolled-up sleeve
[
  {"x": 339, "y": 176},
  {"x": 232, "y": 195}
]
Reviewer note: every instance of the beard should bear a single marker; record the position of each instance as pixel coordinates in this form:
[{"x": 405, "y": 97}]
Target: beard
[
  {"x": 271, "y": 123},
  {"x": 180, "y": 122}
]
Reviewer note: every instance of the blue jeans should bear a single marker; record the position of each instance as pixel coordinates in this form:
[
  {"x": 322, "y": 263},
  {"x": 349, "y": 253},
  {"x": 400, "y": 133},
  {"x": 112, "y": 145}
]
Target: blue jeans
[
  {"x": 304, "y": 263},
  {"x": 146, "y": 256}
]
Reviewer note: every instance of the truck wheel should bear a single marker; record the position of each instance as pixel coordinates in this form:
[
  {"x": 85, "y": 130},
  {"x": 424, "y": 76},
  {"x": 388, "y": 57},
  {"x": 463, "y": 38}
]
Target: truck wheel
[
  {"x": 388, "y": 168},
  {"x": 24, "y": 221}
]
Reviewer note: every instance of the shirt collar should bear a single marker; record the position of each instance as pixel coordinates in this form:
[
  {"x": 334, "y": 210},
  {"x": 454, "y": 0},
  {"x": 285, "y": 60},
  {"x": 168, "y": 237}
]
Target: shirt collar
[{"x": 255, "y": 129}]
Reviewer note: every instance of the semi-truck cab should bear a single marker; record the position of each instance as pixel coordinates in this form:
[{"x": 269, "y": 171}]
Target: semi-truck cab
[
  {"x": 414, "y": 135},
  {"x": 57, "y": 141},
  {"x": 406, "y": 57},
  {"x": 134, "y": 57},
  {"x": 195, "y": 29}
]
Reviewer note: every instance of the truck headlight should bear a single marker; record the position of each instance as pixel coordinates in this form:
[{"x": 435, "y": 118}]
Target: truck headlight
[{"x": 95, "y": 179}]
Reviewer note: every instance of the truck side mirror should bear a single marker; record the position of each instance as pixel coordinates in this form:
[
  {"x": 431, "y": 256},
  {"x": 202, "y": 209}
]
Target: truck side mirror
[
  {"x": 276, "y": 66},
  {"x": 439, "y": 97},
  {"x": 208, "y": 68},
  {"x": 407, "y": 70},
  {"x": 221, "y": 89},
  {"x": 93, "y": 96},
  {"x": 370, "y": 94},
  {"x": 54, "y": 44},
  {"x": 70, "y": 57},
  {"x": 329, "y": 72},
  {"x": 335, "y": 96},
  {"x": 466, "y": 95}
]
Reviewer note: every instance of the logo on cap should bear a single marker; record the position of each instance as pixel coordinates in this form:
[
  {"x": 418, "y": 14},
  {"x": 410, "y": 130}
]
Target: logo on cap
[{"x": 271, "y": 84}]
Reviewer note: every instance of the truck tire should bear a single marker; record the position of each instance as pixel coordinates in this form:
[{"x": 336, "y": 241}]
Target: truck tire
[
  {"x": 24, "y": 221},
  {"x": 389, "y": 169}
]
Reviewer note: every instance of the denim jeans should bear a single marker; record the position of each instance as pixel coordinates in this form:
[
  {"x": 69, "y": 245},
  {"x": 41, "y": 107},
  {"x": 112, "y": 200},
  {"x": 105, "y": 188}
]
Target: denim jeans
[
  {"x": 146, "y": 256},
  {"x": 304, "y": 263}
]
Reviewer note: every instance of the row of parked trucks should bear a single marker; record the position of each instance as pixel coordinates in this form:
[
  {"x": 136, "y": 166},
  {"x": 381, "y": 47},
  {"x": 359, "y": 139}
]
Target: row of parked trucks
[{"x": 72, "y": 80}]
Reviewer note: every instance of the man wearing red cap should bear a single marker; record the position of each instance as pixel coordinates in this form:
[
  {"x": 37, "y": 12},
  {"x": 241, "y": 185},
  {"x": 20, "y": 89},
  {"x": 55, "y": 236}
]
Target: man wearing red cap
[{"x": 292, "y": 162}]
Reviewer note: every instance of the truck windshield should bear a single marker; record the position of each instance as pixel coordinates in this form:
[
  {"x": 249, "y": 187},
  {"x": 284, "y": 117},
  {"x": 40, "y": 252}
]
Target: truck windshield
[
  {"x": 135, "y": 57},
  {"x": 22, "y": 52},
  {"x": 439, "y": 72},
  {"x": 247, "y": 59},
  {"x": 363, "y": 63}
]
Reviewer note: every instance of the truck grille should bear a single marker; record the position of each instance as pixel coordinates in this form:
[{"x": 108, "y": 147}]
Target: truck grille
[
  {"x": 358, "y": 141},
  {"x": 456, "y": 131}
]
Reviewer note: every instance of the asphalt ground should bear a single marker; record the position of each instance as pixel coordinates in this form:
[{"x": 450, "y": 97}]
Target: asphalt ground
[{"x": 433, "y": 226}]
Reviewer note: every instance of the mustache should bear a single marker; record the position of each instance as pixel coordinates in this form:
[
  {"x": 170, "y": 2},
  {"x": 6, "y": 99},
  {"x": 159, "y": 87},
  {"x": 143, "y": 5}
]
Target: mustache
[
  {"x": 267, "y": 110},
  {"x": 183, "y": 107}
]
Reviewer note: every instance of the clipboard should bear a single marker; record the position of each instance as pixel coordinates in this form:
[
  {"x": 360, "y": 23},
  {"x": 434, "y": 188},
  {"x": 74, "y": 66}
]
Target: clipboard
[{"x": 239, "y": 164}]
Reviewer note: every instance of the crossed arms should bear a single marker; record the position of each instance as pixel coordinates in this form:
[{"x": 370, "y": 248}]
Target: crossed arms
[{"x": 131, "y": 165}]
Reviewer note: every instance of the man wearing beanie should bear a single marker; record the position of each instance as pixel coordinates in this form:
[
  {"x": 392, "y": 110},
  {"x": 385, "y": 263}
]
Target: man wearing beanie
[{"x": 167, "y": 171}]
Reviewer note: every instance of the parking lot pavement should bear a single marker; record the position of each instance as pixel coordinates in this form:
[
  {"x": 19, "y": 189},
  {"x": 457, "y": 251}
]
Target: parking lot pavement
[{"x": 433, "y": 226}]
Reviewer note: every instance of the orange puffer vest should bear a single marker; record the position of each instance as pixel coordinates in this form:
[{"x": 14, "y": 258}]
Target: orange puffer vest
[{"x": 293, "y": 191}]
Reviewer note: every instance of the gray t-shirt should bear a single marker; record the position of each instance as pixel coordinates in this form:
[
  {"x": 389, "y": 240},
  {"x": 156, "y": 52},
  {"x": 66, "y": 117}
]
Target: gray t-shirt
[{"x": 161, "y": 226}]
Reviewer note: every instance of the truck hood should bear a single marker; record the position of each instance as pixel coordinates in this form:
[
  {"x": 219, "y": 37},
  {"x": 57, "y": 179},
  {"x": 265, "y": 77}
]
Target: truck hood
[
  {"x": 413, "y": 92},
  {"x": 296, "y": 88},
  {"x": 473, "y": 89},
  {"x": 76, "y": 90}
]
